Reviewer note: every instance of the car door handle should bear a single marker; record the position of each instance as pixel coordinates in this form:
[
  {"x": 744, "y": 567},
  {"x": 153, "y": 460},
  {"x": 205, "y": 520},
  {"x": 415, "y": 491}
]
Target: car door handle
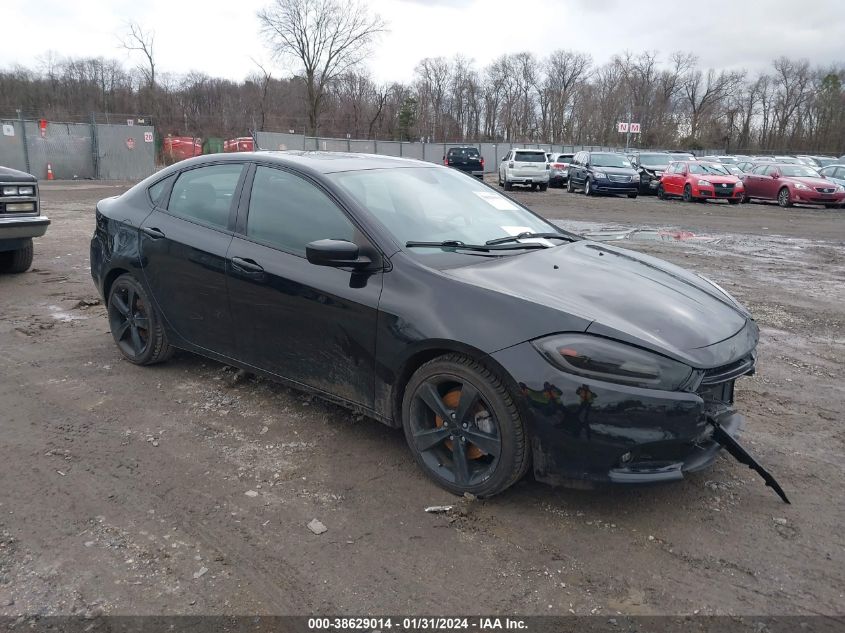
[
  {"x": 153, "y": 232},
  {"x": 247, "y": 265}
]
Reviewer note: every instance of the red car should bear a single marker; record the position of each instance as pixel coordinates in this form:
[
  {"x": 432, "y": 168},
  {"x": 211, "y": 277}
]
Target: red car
[
  {"x": 697, "y": 180},
  {"x": 791, "y": 184}
]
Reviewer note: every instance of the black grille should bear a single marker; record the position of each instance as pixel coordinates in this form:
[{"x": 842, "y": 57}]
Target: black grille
[
  {"x": 728, "y": 372},
  {"x": 724, "y": 190},
  {"x": 825, "y": 189}
]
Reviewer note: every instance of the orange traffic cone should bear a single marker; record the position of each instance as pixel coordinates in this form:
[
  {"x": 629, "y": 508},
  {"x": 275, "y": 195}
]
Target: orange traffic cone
[{"x": 49, "y": 171}]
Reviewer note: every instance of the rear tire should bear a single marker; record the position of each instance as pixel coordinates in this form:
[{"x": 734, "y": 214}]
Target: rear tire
[
  {"x": 508, "y": 185},
  {"x": 136, "y": 324},
  {"x": 17, "y": 261},
  {"x": 831, "y": 206},
  {"x": 491, "y": 416},
  {"x": 661, "y": 193},
  {"x": 543, "y": 187}
]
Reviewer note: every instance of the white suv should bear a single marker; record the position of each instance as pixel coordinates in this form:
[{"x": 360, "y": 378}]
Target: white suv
[{"x": 527, "y": 167}]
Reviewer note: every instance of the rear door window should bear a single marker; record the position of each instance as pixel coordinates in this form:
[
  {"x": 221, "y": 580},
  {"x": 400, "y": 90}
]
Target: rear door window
[
  {"x": 158, "y": 191},
  {"x": 205, "y": 194},
  {"x": 530, "y": 157}
]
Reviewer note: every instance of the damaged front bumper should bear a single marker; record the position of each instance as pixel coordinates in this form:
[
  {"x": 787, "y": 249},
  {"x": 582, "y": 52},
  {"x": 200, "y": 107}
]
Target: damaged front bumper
[
  {"x": 585, "y": 432},
  {"x": 702, "y": 453}
]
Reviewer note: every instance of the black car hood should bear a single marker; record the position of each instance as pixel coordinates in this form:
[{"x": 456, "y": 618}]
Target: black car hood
[
  {"x": 7, "y": 174},
  {"x": 625, "y": 295}
]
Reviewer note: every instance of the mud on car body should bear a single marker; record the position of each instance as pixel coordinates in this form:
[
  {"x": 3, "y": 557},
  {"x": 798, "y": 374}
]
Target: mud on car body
[
  {"x": 496, "y": 340},
  {"x": 20, "y": 219}
]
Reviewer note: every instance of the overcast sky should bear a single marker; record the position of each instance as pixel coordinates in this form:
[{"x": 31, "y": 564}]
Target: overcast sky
[{"x": 219, "y": 37}]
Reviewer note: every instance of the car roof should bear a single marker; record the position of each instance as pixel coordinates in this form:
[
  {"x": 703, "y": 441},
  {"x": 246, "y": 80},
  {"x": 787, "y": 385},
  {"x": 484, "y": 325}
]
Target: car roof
[{"x": 316, "y": 161}]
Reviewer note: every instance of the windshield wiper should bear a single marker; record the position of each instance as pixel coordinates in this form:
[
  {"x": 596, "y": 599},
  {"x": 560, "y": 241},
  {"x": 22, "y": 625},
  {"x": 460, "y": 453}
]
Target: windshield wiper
[
  {"x": 473, "y": 247},
  {"x": 529, "y": 235}
]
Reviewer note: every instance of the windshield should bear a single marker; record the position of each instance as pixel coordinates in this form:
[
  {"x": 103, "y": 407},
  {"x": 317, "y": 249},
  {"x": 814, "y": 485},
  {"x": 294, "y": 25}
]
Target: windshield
[
  {"x": 707, "y": 168},
  {"x": 429, "y": 204},
  {"x": 655, "y": 159},
  {"x": 466, "y": 153},
  {"x": 798, "y": 171},
  {"x": 609, "y": 160},
  {"x": 530, "y": 157}
]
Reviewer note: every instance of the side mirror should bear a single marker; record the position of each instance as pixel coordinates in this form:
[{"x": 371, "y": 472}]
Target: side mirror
[
  {"x": 775, "y": 176},
  {"x": 335, "y": 253}
]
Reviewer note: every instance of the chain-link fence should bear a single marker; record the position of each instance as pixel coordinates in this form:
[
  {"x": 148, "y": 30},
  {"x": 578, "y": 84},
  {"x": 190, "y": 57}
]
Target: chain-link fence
[
  {"x": 124, "y": 152},
  {"x": 429, "y": 152},
  {"x": 78, "y": 150},
  {"x": 13, "y": 145}
]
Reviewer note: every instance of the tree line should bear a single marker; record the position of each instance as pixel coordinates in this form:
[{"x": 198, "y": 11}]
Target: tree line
[{"x": 562, "y": 98}]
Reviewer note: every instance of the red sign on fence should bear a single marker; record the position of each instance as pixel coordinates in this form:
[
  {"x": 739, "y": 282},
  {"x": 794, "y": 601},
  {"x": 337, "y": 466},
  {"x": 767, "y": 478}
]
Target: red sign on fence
[{"x": 130, "y": 143}]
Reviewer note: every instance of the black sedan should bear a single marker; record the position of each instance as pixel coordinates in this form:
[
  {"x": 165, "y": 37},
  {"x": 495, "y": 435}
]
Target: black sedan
[{"x": 428, "y": 300}]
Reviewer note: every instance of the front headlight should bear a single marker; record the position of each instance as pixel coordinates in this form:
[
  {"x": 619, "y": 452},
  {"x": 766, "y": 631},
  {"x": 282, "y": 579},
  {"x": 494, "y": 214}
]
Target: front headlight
[
  {"x": 839, "y": 189},
  {"x": 612, "y": 361},
  {"x": 704, "y": 183},
  {"x": 26, "y": 191},
  {"x": 739, "y": 184},
  {"x": 10, "y": 191},
  {"x": 801, "y": 185},
  {"x": 600, "y": 174}
]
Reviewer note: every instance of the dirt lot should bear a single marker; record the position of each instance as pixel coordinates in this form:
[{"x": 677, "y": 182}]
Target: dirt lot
[{"x": 174, "y": 489}]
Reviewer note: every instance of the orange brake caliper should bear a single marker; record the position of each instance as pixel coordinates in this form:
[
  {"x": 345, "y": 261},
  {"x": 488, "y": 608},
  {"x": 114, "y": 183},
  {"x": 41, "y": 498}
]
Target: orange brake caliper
[{"x": 451, "y": 400}]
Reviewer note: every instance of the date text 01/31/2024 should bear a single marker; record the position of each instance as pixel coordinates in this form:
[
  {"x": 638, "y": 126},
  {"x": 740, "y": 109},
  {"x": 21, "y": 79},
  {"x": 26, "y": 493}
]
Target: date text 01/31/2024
[{"x": 416, "y": 624}]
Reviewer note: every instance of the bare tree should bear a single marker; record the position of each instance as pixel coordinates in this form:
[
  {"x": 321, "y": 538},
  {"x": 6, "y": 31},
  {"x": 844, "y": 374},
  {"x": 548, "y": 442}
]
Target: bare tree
[
  {"x": 326, "y": 36},
  {"x": 264, "y": 81},
  {"x": 137, "y": 39}
]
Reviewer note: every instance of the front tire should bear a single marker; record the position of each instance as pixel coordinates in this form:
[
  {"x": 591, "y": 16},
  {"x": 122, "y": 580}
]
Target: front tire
[
  {"x": 136, "y": 325},
  {"x": 588, "y": 188},
  {"x": 570, "y": 186},
  {"x": 463, "y": 427},
  {"x": 544, "y": 187},
  {"x": 687, "y": 197},
  {"x": 632, "y": 195},
  {"x": 17, "y": 261},
  {"x": 784, "y": 199},
  {"x": 661, "y": 192},
  {"x": 733, "y": 201}
]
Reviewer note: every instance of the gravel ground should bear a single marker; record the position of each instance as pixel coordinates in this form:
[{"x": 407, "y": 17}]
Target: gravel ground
[{"x": 182, "y": 489}]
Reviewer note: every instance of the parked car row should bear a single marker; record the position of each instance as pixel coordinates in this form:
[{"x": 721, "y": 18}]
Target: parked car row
[{"x": 668, "y": 174}]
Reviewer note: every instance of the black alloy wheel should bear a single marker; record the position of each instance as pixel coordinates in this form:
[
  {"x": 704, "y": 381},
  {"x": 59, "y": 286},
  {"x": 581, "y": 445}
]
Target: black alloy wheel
[
  {"x": 463, "y": 427},
  {"x": 135, "y": 325}
]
